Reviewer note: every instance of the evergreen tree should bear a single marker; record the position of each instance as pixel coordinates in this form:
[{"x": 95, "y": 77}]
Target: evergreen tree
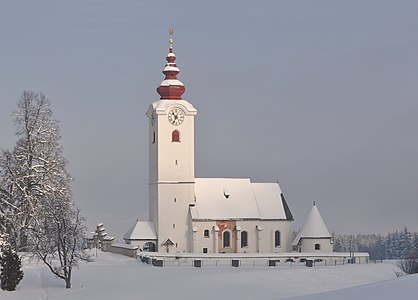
[
  {"x": 395, "y": 245},
  {"x": 405, "y": 243},
  {"x": 379, "y": 248},
  {"x": 11, "y": 273},
  {"x": 414, "y": 249}
]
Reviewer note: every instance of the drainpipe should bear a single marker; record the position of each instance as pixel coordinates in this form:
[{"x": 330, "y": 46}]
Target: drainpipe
[
  {"x": 216, "y": 230},
  {"x": 238, "y": 245},
  {"x": 259, "y": 229},
  {"x": 194, "y": 229}
]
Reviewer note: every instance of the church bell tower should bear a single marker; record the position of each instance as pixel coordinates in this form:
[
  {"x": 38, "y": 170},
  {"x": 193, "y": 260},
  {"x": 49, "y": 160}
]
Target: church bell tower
[{"x": 171, "y": 161}]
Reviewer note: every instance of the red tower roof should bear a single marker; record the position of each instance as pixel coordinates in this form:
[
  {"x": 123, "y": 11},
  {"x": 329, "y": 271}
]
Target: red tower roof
[{"x": 171, "y": 88}]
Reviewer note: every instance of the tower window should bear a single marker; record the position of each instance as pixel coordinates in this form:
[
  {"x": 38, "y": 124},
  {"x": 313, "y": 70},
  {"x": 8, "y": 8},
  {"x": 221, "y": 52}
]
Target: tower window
[
  {"x": 206, "y": 233},
  {"x": 317, "y": 247},
  {"x": 153, "y": 137},
  {"x": 175, "y": 136},
  {"x": 277, "y": 242}
]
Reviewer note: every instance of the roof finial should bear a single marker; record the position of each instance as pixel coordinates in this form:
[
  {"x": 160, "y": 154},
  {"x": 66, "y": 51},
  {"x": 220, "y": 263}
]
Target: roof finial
[{"x": 171, "y": 31}]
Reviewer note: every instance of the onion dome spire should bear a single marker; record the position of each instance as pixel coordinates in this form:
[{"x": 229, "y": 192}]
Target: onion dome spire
[{"x": 171, "y": 88}]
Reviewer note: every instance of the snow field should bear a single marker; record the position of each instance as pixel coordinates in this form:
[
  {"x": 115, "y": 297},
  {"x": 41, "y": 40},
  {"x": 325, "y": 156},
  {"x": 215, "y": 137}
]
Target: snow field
[{"x": 113, "y": 276}]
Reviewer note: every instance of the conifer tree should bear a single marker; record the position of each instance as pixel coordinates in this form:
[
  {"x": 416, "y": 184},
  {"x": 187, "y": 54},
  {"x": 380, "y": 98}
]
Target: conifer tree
[
  {"x": 11, "y": 273},
  {"x": 415, "y": 244}
]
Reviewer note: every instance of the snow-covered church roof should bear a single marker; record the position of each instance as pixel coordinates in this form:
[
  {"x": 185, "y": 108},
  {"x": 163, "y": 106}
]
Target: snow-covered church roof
[
  {"x": 314, "y": 227},
  {"x": 232, "y": 198},
  {"x": 141, "y": 230}
]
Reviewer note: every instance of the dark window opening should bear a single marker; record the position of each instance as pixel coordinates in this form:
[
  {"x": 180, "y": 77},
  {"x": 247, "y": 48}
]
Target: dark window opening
[
  {"x": 226, "y": 239},
  {"x": 244, "y": 239},
  {"x": 175, "y": 136},
  {"x": 277, "y": 238},
  {"x": 317, "y": 247},
  {"x": 206, "y": 233}
]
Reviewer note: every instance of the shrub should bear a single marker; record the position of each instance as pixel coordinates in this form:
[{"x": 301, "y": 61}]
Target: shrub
[
  {"x": 409, "y": 265},
  {"x": 11, "y": 273}
]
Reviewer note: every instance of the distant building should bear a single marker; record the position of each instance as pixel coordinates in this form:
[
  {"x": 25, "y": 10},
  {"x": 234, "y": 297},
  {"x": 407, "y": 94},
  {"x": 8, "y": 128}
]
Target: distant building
[{"x": 100, "y": 240}]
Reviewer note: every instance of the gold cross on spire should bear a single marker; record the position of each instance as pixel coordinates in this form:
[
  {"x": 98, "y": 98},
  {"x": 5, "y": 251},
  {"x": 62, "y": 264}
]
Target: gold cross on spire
[{"x": 171, "y": 31}]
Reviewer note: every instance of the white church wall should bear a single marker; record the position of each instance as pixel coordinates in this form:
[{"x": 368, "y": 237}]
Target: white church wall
[
  {"x": 153, "y": 204},
  {"x": 248, "y": 226},
  {"x": 256, "y": 240},
  {"x": 268, "y": 233},
  {"x": 175, "y": 159},
  {"x": 308, "y": 245},
  {"x": 173, "y": 216},
  {"x": 203, "y": 241},
  {"x": 153, "y": 155}
]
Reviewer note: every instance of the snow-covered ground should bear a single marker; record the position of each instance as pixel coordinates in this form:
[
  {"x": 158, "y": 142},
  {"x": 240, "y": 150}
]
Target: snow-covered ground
[{"x": 113, "y": 276}]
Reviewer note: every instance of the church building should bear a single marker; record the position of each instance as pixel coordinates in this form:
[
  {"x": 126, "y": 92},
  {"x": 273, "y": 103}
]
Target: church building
[{"x": 201, "y": 215}]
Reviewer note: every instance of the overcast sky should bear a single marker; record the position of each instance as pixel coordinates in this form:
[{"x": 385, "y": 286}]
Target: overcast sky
[{"x": 319, "y": 95}]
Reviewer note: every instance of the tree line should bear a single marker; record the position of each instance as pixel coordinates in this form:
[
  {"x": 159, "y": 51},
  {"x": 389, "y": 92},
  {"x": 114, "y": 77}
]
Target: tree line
[{"x": 400, "y": 244}]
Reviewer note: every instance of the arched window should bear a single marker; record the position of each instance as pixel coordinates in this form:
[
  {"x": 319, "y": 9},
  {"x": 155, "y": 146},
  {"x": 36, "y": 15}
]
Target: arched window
[
  {"x": 226, "y": 239},
  {"x": 149, "y": 247},
  {"x": 244, "y": 239},
  {"x": 317, "y": 247},
  {"x": 175, "y": 136},
  {"x": 277, "y": 242},
  {"x": 206, "y": 233}
]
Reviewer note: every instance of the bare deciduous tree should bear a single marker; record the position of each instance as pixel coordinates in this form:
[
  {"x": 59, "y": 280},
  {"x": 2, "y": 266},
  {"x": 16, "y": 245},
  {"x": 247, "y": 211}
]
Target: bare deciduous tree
[
  {"x": 59, "y": 242},
  {"x": 409, "y": 265},
  {"x": 34, "y": 169},
  {"x": 36, "y": 208}
]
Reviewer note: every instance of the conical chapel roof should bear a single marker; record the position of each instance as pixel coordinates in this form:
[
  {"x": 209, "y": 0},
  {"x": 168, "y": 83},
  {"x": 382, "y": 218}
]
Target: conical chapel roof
[{"x": 314, "y": 227}]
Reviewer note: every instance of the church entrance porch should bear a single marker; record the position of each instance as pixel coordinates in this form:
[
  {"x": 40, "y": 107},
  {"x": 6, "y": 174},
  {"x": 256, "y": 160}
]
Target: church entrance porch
[{"x": 149, "y": 247}]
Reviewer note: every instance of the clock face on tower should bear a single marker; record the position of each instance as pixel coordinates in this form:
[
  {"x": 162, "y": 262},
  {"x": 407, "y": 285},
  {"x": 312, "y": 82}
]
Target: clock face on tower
[{"x": 176, "y": 116}]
